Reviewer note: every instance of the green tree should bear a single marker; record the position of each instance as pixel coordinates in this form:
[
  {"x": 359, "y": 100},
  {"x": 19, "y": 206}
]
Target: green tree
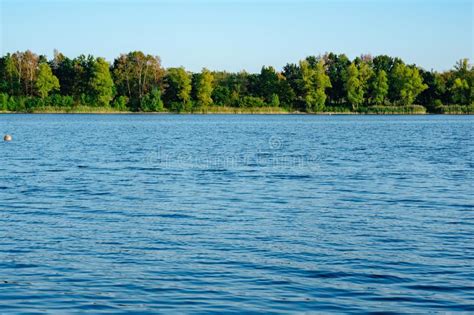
[
  {"x": 366, "y": 74},
  {"x": 379, "y": 88},
  {"x": 460, "y": 91},
  {"x": 25, "y": 70},
  {"x": 292, "y": 89},
  {"x": 355, "y": 92},
  {"x": 239, "y": 84},
  {"x": 83, "y": 69},
  {"x": 462, "y": 68},
  {"x": 204, "y": 88},
  {"x": 178, "y": 88},
  {"x": 221, "y": 95},
  {"x": 436, "y": 93},
  {"x": 268, "y": 83},
  {"x": 68, "y": 73},
  {"x": 407, "y": 83},
  {"x": 314, "y": 82},
  {"x": 46, "y": 81},
  {"x": 336, "y": 70},
  {"x": 102, "y": 85},
  {"x": 387, "y": 64},
  {"x": 9, "y": 77},
  {"x": 136, "y": 74}
]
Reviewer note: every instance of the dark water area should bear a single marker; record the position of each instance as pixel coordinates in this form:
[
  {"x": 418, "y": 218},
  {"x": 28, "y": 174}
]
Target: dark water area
[{"x": 263, "y": 214}]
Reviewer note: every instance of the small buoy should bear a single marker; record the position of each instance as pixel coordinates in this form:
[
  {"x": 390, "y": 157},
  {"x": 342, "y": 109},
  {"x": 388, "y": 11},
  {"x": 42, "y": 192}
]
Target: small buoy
[{"x": 7, "y": 138}]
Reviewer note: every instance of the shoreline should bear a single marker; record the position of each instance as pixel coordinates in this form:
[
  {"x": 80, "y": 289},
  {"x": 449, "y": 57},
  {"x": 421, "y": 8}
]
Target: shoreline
[
  {"x": 224, "y": 110},
  {"x": 237, "y": 113}
]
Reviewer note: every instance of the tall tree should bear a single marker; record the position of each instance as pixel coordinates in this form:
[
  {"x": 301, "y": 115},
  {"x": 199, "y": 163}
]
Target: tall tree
[
  {"x": 204, "y": 88},
  {"x": 379, "y": 88},
  {"x": 268, "y": 83},
  {"x": 315, "y": 82},
  {"x": 136, "y": 74},
  {"x": 83, "y": 72},
  {"x": 286, "y": 94},
  {"x": 366, "y": 74},
  {"x": 9, "y": 77},
  {"x": 64, "y": 69},
  {"x": 355, "y": 92},
  {"x": 31, "y": 61},
  {"x": 293, "y": 82},
  {"x": 102, "y": 85},
  {"x": 46, "y": 81},
  {"x": 436, "y": 93},
  {"x": 460, "y": 91},
  {"x": 463, "y": 85},
  {"x": 407, "y": 83},
  {"x": 387, "y": 64},
  {"x": 221, "y": 92},
  {"x": 336, "y": 69},
  {"x": 178, "y": 88},
  {"x": 25, "y": 66}
]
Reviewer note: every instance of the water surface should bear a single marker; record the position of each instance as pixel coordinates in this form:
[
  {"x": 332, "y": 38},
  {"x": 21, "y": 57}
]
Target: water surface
[{"x": 270, "y": 214}]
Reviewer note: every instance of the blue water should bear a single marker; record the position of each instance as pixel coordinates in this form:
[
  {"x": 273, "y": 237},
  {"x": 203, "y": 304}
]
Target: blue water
[{"x": 267, "y": 214}]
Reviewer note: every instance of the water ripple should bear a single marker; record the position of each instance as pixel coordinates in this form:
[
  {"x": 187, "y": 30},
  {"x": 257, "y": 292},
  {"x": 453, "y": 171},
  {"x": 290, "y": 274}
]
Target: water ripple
[{"x": 198, "y": 214}]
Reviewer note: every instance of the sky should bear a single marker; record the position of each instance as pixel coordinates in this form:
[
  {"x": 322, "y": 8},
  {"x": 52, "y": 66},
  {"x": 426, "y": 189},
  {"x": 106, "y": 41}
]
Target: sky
[{"x": 234, "y": 35}]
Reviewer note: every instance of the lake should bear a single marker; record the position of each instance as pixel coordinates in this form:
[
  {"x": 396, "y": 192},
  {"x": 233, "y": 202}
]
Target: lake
[{"x": 237, "y": 213}]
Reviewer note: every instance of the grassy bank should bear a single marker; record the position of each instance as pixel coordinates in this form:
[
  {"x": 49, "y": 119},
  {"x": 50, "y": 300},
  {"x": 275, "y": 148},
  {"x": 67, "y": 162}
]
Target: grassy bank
[
  {"x": 240, "y": 110},
  {"x": 455, "y": 109},
  {"x": 393, "y": 110},
  {"x": 76, "y": 110},
  {"x": 110, "y": 110},
  {"x": 372, "y": 110}
]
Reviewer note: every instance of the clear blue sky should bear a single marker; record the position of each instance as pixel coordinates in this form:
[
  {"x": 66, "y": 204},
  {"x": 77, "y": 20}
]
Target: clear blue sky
[{"x": 235, "y": 35}]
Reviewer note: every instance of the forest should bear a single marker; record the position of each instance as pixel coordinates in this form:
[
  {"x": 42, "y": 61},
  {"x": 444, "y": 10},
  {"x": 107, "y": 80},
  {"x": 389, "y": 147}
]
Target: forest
[{"x": 137, "y": 82}]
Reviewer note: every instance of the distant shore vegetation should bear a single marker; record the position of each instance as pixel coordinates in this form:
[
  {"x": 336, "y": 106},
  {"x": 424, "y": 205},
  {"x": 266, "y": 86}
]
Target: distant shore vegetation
[{"x": 137, "y": 82}]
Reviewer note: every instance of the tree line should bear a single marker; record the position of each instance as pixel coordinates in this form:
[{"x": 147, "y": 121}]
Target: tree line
[{"x": 138, "y": 82}]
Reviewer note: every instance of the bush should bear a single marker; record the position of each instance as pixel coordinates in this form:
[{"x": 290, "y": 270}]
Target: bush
[
  {"x": 455, "y": 109},
  {"x": 338, "y": 109},
  {"x": 152, "y": 102},
  {"x": 181, "y": 107},
  {"x": 57, "y": 100},
  {"x": 275, "y": 102},
  {"x": 177, "y": 107},
  {"x": 20, "y": 104},
  {"x": 12, "y": 104},
  {"x": 3, "y": 102},
  {"x": 437, "y": 103},
  {"x": 251, "y": 101},
  {"x": 87, "y": 100},
  {"x": 32, "y": 102},
  {"x": 120, "y": 103}
]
